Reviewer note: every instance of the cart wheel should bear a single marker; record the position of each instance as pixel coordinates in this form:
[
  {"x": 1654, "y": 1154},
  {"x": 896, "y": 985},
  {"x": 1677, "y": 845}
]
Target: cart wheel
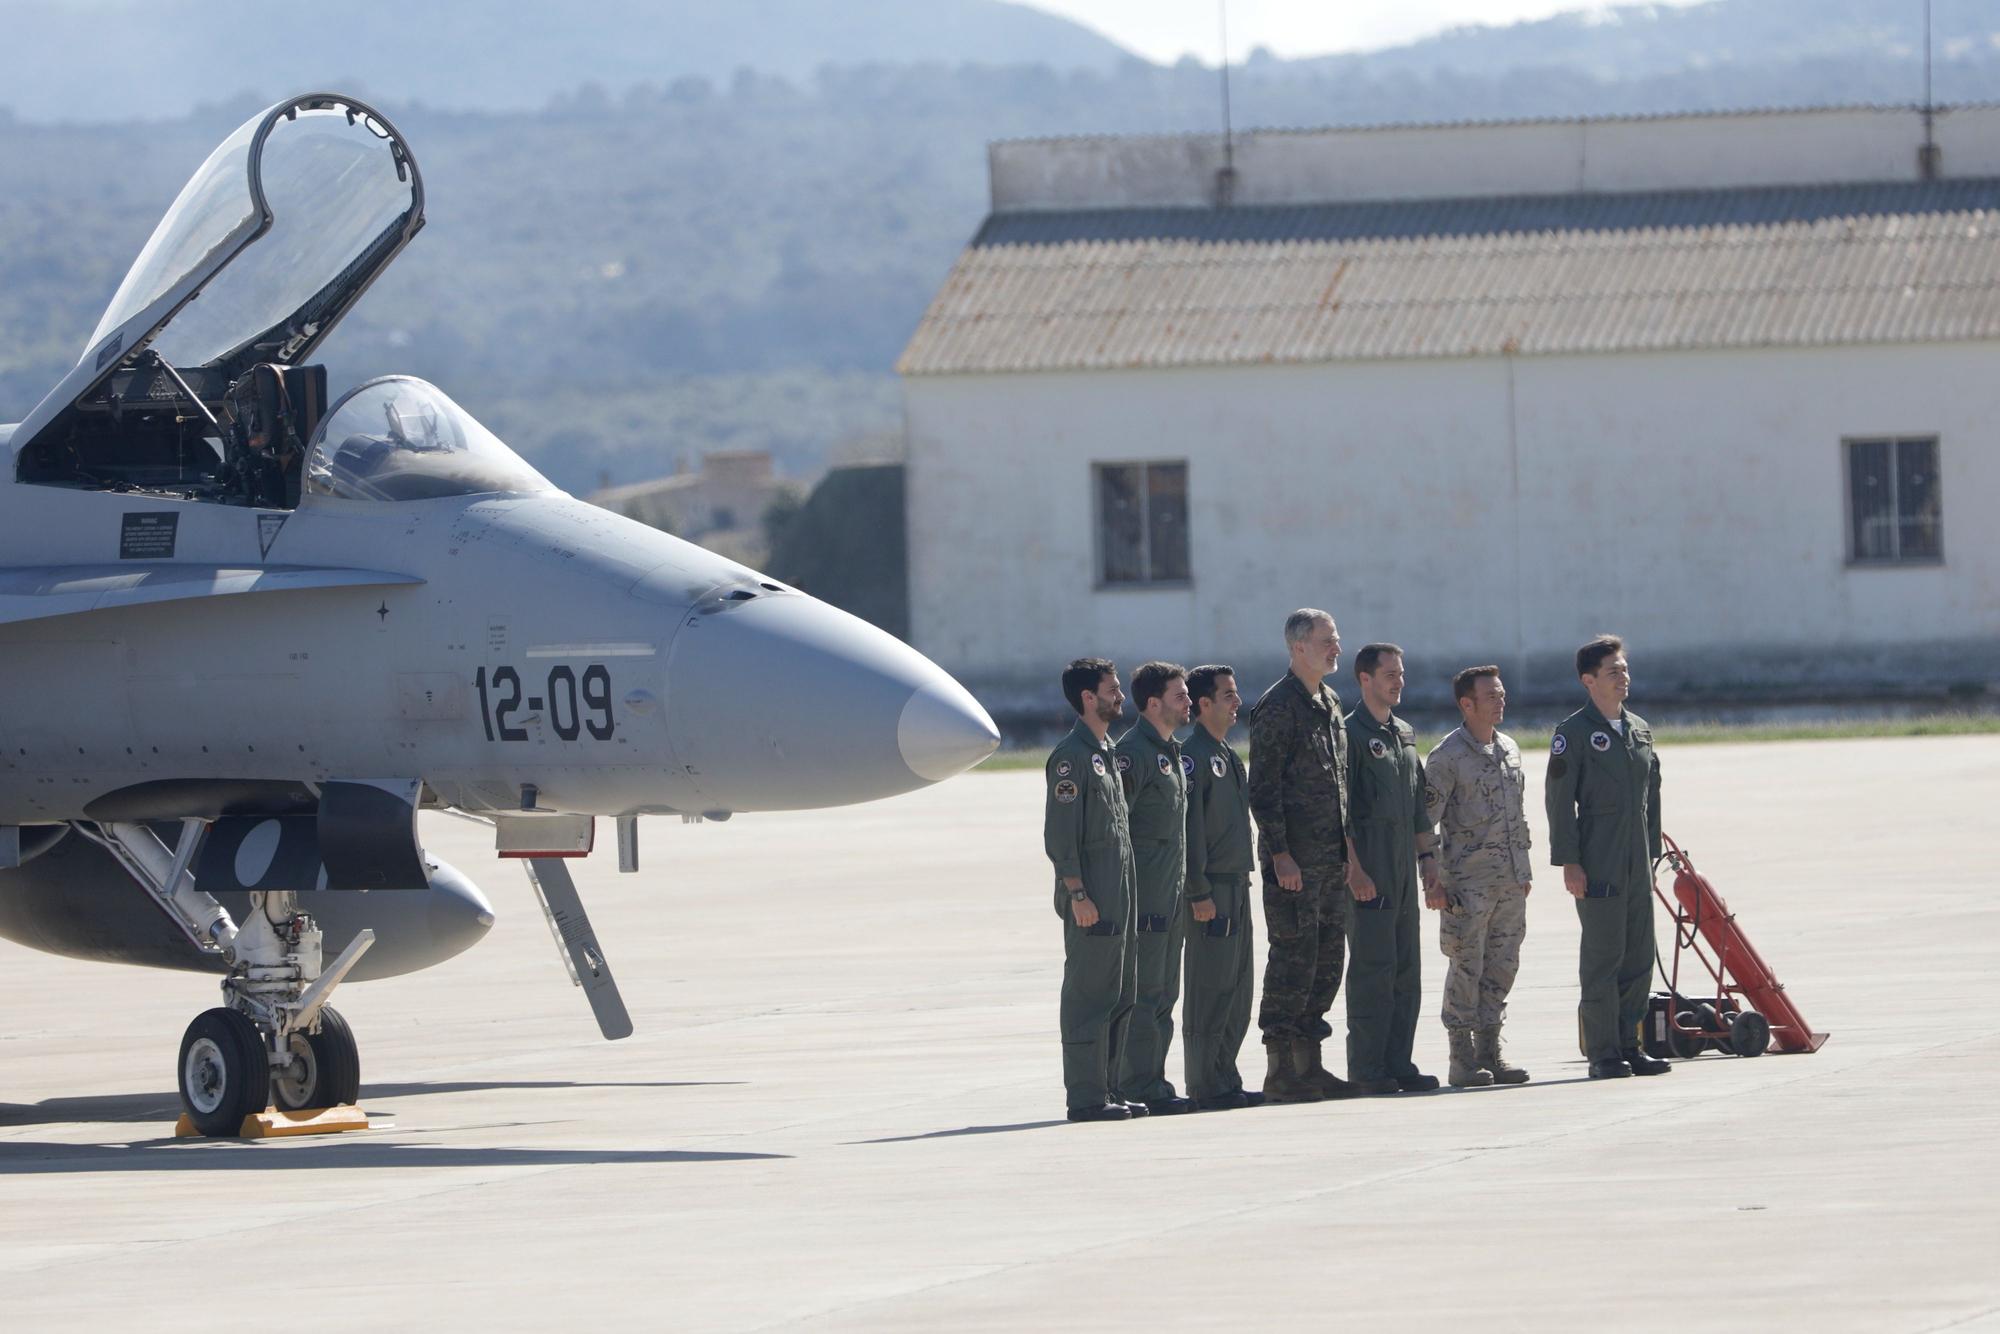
[
  {"x": 1682, "y": 1044},
  {"x": 1750, "y": 1034}
]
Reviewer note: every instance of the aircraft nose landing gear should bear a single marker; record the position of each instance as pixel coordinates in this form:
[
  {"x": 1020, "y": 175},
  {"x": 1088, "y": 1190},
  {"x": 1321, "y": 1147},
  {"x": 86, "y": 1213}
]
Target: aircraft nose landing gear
[{"x": 275, "y": 1042}]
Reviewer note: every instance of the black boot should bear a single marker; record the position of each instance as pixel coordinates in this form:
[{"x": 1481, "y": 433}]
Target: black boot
[
  {"x": 1642, "y": 1064},
  {"x": 1611, "y": 1069},
  {"x": 1110, "y": 1111}
]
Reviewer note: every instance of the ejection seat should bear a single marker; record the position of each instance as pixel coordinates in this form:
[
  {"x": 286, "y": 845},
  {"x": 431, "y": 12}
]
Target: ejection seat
[{"x": 274, "y": 410}]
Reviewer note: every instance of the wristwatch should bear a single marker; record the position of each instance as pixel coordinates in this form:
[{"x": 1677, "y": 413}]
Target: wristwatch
[{"x": 1078, "y": 895}]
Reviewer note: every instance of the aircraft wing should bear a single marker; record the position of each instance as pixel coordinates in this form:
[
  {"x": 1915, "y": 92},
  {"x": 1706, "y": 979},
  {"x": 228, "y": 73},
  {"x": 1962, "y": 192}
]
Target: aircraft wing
[{"x": 33, "y": 593}]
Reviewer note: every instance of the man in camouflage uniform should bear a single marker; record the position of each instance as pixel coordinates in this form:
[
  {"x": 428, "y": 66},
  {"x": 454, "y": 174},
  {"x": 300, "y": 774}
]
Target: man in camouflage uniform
[
  {"x": 1149, "y": 765},
  {"x": 1298, "y": 797},
  {"x": 1603, "y": 792},
  {"x": 1473, "y": 793},
  {"x": 1086, "y": 832},
  {"x": 1387, "y": 831},
  {"x": 1220, "y": 954}
]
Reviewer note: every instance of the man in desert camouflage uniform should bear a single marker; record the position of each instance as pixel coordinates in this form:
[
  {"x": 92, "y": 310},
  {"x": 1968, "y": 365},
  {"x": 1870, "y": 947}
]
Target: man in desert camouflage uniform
[
  {"x": 1298, "y": 797},
  {"x": 1473, "y": 792}
]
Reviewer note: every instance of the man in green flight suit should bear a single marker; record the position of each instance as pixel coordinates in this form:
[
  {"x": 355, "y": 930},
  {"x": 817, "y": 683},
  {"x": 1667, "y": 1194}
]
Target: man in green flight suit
[
  {"x": 1603, "y": 790},
  {"x": 1149, "y": 765},
  {"x": 1388, "y": 829},
  {"x": 1085, "y": 831},
  {"x": 1219, "y": 949}
]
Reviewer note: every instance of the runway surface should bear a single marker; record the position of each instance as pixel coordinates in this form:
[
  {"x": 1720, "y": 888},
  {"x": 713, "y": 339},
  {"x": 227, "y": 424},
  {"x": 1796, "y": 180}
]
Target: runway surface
[{"x": 841, "y": 1109}]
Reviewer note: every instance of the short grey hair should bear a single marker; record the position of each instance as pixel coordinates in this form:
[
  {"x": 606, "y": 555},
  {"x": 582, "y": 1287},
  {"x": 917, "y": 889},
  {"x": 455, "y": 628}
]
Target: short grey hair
[{"x": 1301, "y": 622}]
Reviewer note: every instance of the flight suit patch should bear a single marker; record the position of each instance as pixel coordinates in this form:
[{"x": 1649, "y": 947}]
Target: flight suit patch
[
  {"x": 1557, "y": 768},
  {"x": 1377, "y": 749},
  {"x": 1559, "y": 744},
  {"x": 1062, "y": 768},
  {"x": 1097, "y": 763},
  {"x": 1065, "y": 792},
  {"x": 1124, "y": 764},
  {"x": 1216, "y": 766},
  {"x": 1599, "y": 742},
  {"x": 1166, "y": 765},
  {"x": 1187, "y": 766}
]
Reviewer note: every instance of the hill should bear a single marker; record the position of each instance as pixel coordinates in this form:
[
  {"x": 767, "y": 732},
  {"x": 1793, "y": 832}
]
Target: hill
[{"x": 144, "y": 59}]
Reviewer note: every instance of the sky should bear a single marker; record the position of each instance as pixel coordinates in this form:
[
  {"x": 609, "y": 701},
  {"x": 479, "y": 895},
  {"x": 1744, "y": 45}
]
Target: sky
[{"x": 1165, "y": 30}]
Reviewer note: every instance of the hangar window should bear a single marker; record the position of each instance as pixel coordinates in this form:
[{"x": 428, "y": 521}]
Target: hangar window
[
  {"x": 1895, "y": 512},
  {"x": 1142, "y": 523}
]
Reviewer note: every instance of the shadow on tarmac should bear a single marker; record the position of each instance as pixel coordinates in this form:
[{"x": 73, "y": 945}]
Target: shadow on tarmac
[
  {"x": 22, "y": 1158},
  {"x": 116, "y": 1107},
  {"x": 962, "y": 1130}
]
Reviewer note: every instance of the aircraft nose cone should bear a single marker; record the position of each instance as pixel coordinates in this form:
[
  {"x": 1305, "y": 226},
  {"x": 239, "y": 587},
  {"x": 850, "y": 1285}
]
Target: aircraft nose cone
[
  {"x": 781, "y": 702},
  {"x": 944, "y": 731}
]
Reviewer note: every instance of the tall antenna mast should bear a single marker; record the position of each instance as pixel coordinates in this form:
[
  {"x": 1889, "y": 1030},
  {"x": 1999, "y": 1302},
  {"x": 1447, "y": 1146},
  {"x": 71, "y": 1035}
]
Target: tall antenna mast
[
  {"x": 1225, "y": 180},
  {"x": 1928, "y": 155}
]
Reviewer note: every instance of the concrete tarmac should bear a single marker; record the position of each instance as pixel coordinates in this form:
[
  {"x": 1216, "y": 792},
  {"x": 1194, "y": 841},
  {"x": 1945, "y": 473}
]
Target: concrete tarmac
[{"x": 841, "y": 1109}]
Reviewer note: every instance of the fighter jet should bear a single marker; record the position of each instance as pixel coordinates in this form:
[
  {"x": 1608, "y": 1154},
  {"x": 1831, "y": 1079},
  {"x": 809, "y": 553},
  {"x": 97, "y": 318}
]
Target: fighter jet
[{"x": 248, "y": 631}]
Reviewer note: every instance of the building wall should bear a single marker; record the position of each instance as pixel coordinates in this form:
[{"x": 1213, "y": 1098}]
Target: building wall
[
  {"x": 1696, "y": 152},
  {"x": 1495, "y": 509}
]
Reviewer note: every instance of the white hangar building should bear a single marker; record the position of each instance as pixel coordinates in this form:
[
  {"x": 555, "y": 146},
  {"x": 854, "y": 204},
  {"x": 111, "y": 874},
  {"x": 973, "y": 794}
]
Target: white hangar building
[{"x": 1726, "y": 384}]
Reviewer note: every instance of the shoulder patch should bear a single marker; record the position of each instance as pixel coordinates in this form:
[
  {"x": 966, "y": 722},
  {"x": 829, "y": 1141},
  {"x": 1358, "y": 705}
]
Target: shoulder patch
[
  {"x": 1600, "y": 742},
  {"x": 1377, "y": 748},
  {"x": 1097, "y": 763},
  {"x": 1063, "y": 768},
  {"x": 1065, "y": 792},
  {"x": 1431, "y": 795},
  {"x": 1166, "y": 765},
  {"x": 1124, "y": 764},
  {"x": 1558, "y": 767},
  {"x": 1559, "y": 744},
  {"x": 1187, "y": 765},
  {"x": 1216, "y": 766}
]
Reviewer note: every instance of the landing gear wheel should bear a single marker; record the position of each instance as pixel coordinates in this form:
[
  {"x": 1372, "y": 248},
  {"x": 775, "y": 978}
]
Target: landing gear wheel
[
  {"x": 1683, "y": 1045},
  {"x": 1750, "y": 1034},
  {"x": 224, "y": 1073},
  {"x": 325, "y": 1069}
]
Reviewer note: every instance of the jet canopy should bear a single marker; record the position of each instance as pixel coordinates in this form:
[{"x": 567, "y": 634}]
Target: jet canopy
[
  {"x": 398, "y": 438},
  {"x": 326, "y": 194},
  {"x": 278, "y": 234}
]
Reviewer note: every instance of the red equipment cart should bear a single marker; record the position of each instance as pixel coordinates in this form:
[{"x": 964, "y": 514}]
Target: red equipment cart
[{"x": 1749, "y": 1011}]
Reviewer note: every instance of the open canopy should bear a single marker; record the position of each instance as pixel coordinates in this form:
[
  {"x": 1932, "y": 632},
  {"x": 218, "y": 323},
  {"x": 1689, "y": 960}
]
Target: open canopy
[{"x": 279, "y": 232}]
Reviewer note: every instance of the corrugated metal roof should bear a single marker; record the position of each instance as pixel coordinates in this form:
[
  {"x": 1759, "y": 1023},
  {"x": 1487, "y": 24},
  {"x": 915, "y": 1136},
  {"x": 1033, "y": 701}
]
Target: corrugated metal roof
[{"x": 1892, "y": 263}]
